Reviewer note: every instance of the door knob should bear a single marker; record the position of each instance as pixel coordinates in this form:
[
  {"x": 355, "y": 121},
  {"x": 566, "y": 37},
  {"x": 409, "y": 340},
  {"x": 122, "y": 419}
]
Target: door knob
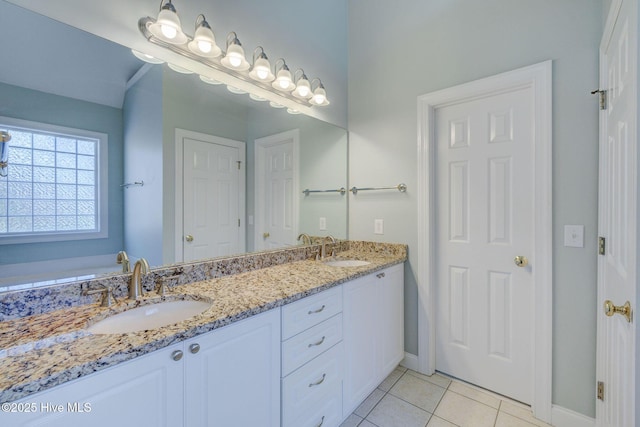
[
  {"x": 521, "y": 261},
  {"x": 188, "y": 238},
  {"x": 266, "y": 235},
  {"x": 610, "y": 309}
]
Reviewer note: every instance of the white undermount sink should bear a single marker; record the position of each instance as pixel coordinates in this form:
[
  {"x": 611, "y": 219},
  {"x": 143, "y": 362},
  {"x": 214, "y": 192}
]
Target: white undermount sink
[
  {"x": 151, "y": 316},
  {"x": 346, "y": 262}
]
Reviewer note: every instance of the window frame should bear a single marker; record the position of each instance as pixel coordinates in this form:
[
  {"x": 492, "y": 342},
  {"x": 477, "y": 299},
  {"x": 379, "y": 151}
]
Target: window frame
[{"x": 102, "y": 199}]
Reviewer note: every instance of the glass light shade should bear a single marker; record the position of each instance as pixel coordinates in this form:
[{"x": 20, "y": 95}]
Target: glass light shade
[
  {"x": 210, "y": 81},
  {"x": 204, "y": 43},
  {"x": 319, "y": 97},
  {"x": 262, "y": 70},
  {"x": 179, "y": 69},
  {"x": 236, "y": 90},
  {"x": 292, "y": 111},
  {"x": 275, "y": 104},
  {"x": 303, "y": 88},
  {"x": 167, "y": 27},
  {"x": 234, "y": 59},
  {"x": 283, "y": 81},
  {"x": 256, "y": 97},
  {"x": 146, "y": 58}
]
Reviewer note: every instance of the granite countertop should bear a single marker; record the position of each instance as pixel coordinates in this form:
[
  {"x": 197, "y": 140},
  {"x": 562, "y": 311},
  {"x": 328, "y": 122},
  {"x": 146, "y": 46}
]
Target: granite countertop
[{"x": 41, "y": 351}]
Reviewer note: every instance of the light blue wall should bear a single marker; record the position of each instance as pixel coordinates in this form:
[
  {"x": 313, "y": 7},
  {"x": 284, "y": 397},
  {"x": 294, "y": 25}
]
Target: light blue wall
[
  {"x": 26, "y": 104},
  {"x": 412, "y": 47},
  {"x": 143, "y": 163}
]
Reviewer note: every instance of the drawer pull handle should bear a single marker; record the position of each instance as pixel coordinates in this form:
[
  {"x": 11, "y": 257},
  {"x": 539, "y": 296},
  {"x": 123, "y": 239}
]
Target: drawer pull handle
[
  {"x": 320, "y": 381},
  {"x": 316, "y": 311},
  {"x": 316, "y": 343},
  {"x": 380, "y": 275},
  {"x": 321, "y": 422}
]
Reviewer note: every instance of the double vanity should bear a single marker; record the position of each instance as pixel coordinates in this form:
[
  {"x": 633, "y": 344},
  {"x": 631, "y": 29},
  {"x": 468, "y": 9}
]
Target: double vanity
[{"x": 273, "y": 339}]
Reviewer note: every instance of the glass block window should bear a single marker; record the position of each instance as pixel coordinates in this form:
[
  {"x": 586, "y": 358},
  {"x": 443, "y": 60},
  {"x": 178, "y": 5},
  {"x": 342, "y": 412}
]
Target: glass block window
[{"x": 52, "y": 185}]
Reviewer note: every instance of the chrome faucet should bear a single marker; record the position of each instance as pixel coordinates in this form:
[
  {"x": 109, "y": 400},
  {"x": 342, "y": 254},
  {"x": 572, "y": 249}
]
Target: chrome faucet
[
  {"x": 323, "y": 252},
  {"x": 135, "y": 286},
  {"x": 123, "y": 259},
  {"x": 306, "y": 239}
]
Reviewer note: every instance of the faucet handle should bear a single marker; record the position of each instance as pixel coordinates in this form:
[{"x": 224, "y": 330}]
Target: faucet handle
[
  {"x": 162, "y": 287},
  {"x": 107, "y": 295}
]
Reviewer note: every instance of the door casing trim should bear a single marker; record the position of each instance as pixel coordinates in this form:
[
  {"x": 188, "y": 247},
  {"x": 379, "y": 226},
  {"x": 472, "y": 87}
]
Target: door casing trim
[{"x": 538, "y": 79}]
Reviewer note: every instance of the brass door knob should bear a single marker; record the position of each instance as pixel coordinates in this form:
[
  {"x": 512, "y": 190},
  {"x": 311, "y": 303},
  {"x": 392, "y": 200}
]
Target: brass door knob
[
  {"x": 188, "y": 238},
  {"x": 521, "y": 261},
  {"x": 266, "y": 235},
  {"x": 610, "y": 309}
]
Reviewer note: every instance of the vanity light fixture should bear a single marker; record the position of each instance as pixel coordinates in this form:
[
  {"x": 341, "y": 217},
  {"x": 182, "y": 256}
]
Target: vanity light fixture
[
  {"x": 236, "y": 90},
  {"x": 234, "y": 58},
  {"x": 179, "y": 69},
  {"x": 258, "y": 78},
  {"x": 167, "y": 26},
  {"x": 204, "y": 42},
  {"x": 303, "y": 88},
  {"x": 261, "y": 70}
]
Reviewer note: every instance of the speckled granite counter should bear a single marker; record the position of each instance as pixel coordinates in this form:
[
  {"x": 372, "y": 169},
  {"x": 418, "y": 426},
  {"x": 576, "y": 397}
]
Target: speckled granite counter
[{"x": 44, "y": 350}]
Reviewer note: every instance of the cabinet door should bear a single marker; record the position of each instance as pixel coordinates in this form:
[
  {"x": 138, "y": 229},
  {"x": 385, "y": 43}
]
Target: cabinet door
[
  {"x": 360, "y": 341},
  {"x": 145, "y": 391},
  {"x": 234, "y": 377},
  {"x": 390, "y": 290}
]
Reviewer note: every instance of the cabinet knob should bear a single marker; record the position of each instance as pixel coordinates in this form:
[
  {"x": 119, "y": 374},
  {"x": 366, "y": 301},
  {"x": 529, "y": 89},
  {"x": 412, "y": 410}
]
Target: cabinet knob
[
  {"x": 194, "y": 348},
  {"x": 380, "y": 275},
  {"x": 177, "y": 355},
  {"x": 188, "y": 238}
]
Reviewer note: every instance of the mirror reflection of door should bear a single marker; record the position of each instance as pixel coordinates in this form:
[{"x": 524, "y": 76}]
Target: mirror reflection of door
[
  {"x": 277, "y": 198},
  {"x": 212, "y": 197}
]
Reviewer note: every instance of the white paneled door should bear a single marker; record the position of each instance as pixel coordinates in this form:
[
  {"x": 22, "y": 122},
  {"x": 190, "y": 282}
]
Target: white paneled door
[
  {"x": 484, "y": 242},
  {"x": 617, "y": 265},
  {"x": 211, "y": 195},
  {"x": 277, "y": 195}
]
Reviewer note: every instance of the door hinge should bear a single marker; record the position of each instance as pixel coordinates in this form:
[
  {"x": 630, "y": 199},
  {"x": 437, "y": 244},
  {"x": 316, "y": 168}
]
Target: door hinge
[
  {"x": 602, "y": 95},
  {"x": 602, "y": 242},
  {"x": 238, "y": 222},
  {"x": 239, "y": 163},
  {"x": 600, "y": 392}
]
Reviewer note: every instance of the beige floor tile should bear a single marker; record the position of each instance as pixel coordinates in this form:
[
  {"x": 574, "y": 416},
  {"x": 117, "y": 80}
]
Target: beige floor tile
[
  {"x": 465, "y": 412},
  {"x": 436, "y": 379},
  {"x": 521, "y": 411},
  {"x": 351, "y": 421},
  {"x": 439, "y": 422},
  {"x": 418, "y": 392},
  {"x": 391, "y": 379},
  {"x": 394, "y": 412},
  {"x": 475, "y": 394},
  {"x": 402, "y": 368},
  {"x": 506, "y": 420},
  {"x": 369, "y": 403}
]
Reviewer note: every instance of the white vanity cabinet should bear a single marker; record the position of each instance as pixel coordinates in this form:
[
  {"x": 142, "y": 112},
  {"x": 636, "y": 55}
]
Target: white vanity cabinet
[
  {"x": 312, "y": 361},
  {"x": 373, "y": 331},
  {"x": 227, "y": 377}
]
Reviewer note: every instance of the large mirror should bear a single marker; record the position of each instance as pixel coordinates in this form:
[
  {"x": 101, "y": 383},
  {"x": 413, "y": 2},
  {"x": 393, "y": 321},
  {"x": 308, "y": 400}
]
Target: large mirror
[{"x": 163, "y": 128}]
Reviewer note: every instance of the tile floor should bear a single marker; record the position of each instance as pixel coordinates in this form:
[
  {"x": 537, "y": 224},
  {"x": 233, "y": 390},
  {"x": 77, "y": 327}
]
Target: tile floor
[{"x": 409, "y": 399}]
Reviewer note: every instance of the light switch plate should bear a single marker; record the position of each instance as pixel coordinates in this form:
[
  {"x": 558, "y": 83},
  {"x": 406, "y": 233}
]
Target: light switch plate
[
  {"x": 323, "y": 223},
  {"x": 574, "y": 236},
  {"x": 378, "y": 226}
]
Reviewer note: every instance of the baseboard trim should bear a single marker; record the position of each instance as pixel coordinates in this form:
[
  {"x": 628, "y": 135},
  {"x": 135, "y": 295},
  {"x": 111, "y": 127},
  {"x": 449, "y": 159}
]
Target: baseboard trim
[
  {"x": 563, "y": 417},
  {"x": 410, "y": 361}
]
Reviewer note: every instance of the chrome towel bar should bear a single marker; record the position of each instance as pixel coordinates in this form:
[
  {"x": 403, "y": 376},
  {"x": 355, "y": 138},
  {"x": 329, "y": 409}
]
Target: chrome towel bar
[
  {"x": 342, "y": 191},
  {"x": 400, "y": 187}
]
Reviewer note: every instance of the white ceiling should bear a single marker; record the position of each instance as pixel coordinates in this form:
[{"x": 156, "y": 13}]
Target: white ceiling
[{"x": 42, "y": 54}]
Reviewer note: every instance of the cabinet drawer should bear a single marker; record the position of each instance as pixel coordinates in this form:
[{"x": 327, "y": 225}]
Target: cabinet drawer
[
  {"x": 312, "y": 384},
  {"x": 325, "y": 413},
  {"x": 307, "y": 312},
  {"x": 298, "y": 350}
]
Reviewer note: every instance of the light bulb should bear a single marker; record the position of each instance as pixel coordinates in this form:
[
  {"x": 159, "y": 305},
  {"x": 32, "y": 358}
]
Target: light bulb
[
  {"x": 283, "y": 83},
  {"x": 169, "y": 31},
  {"x": 262, "y": 73},
  {"x": 204, "y": 46},
  {"x": 303, "y": 91},
  {"x": 319, "y": 98},
  {"x": 234, "y": 61}
]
